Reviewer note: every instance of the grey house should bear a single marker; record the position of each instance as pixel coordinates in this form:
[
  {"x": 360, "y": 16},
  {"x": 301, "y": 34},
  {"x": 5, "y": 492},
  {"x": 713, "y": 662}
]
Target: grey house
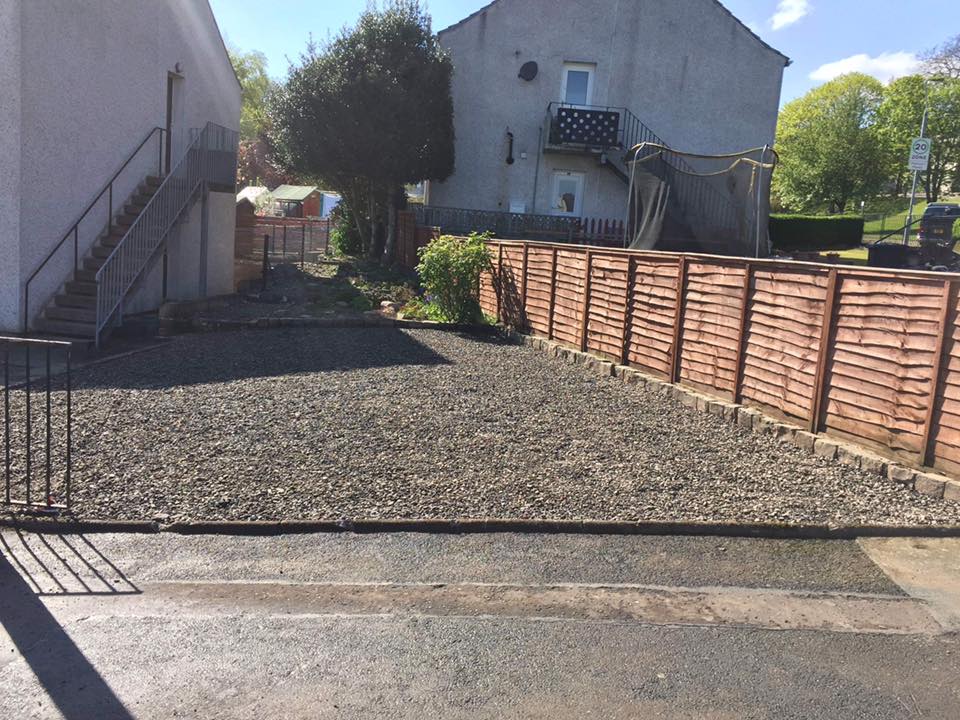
[{"x": 548, "y": 93}]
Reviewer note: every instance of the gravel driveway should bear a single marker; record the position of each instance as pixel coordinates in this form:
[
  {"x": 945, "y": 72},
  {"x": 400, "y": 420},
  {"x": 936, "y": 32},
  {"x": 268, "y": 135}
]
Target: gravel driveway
[{"x": 319, "y": 424}]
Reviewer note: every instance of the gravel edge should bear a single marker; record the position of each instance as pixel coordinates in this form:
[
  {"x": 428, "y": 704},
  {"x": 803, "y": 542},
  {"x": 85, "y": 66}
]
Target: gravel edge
[
  {"x": 478, "y": 526},
  {"x": 920, "y": 481}
]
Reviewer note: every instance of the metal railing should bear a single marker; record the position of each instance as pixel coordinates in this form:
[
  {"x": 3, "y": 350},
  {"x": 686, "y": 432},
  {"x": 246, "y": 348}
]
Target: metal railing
[
  {"x": 521, "y": 226},
  {"x": 74, "y": 231},
  {"x": 37, "y": 433},
  {"x": 211, "y": 158},
  {"x": 694, "y": 195}
]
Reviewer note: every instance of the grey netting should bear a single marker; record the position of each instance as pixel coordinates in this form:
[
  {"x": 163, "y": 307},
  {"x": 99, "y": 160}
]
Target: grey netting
[{"x": 699, "y": 203}]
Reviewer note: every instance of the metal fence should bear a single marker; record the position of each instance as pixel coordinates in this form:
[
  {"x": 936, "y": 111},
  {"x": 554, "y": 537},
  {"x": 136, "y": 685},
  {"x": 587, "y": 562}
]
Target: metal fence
[
  {"x": 37, "y": 424},
  {"x": 292, "y": 240}
]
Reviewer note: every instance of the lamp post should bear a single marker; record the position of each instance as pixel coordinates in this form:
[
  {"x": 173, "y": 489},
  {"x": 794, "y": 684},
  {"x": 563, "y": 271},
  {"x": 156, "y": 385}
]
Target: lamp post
[{"x": 916, "y": 173}]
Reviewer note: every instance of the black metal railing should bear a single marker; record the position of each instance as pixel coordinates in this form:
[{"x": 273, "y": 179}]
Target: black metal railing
[
  {"x": 521, "y": 226},
  {"x": 616, "y": 131},
  {"x": 74, "y": 231},
  {"x": 37, "y": 431}
]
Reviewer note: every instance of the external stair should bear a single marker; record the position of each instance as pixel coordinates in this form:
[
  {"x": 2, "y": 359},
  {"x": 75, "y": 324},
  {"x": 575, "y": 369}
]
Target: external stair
[{"x": 72, "y": 311}]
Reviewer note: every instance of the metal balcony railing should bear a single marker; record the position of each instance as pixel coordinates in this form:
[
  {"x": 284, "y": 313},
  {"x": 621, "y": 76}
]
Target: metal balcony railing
[
  {"x": 617, "y": 132},
  {"x": 211, "y": 158}
]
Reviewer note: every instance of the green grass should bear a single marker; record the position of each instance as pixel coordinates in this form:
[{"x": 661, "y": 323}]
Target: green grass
[{"x": 895, "y": 214}]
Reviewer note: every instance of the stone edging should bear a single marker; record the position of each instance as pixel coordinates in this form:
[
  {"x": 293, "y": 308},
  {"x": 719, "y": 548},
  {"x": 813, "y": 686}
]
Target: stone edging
[
  {"x": 378, "y": 321},
  {"x": 925, "y": 483},
  {"x": 481, "y": 526}
]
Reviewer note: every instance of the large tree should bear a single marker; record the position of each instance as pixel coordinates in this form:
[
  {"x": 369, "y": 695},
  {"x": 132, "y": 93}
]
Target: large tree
[
  {"x": 944, "y": 60},
  {"x": 370, "y": 112},
  {"x": 900, "y": 117},
  {"x": 256, "y": 164},
  {"x": 831, "y": 150}
]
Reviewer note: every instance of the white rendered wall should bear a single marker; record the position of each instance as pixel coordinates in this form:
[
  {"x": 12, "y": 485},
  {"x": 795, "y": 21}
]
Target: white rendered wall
[
  {"x": 10, "y": 174},
  {"x": 94, "y": 83}
]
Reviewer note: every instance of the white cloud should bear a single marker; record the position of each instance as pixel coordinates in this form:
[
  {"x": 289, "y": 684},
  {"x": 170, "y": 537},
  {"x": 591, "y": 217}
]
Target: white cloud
[
  {"x": 788, "y": 12},
  {"x": 884, "y": 67}
]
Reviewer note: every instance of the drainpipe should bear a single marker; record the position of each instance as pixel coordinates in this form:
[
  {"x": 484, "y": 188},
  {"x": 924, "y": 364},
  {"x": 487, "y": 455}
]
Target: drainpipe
[{"x": 536, "y": 172}]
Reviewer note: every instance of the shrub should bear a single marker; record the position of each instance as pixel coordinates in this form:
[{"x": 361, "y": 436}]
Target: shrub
[
  {"x": 816, "y": 232},
  {"x": 344, "y": 236},
  {"x": 449, "y": 271}
]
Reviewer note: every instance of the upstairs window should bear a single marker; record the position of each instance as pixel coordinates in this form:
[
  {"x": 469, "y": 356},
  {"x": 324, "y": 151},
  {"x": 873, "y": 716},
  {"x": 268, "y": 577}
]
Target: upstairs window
[{"x": 577, "y": 83}]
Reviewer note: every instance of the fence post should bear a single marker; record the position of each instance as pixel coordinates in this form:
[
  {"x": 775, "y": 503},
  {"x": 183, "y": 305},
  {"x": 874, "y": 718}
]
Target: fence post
[
  {"x": 498, "y": 282},
  {"x": 303, "y": 244},
  {"x": 678, "y": 320},
  {"x": 627, "y": 312},
  {"x": 266, "y": 258},
  {"x": 937, "y": 367},
  {"x": 742, "y": 332},
  {"x": 553, "y": 292},
  {"x": 284, "y": 242},
  {"x": 826, "y": 329},
  {"x": 523, "y": 286},
  {"x": 585, "y": 308}
]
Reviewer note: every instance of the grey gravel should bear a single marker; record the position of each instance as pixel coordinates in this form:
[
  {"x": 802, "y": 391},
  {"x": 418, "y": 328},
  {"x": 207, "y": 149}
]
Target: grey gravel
[{"x": 351, "y": 423}]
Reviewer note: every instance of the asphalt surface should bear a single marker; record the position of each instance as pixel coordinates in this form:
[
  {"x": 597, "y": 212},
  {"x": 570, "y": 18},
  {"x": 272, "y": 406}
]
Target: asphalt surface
[{"x": 492, "y": 626}]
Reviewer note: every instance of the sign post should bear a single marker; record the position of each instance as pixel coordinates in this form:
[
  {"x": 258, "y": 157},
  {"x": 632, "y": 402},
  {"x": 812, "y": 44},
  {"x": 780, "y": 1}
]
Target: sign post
[{"x": 919, "y": 162}]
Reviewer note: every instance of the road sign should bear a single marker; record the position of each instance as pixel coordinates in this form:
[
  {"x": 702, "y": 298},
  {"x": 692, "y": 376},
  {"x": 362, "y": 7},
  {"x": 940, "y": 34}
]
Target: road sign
[{"x": 920, "y": 154}]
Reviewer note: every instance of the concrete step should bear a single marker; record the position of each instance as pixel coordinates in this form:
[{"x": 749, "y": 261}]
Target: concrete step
[
  {"x": 65, "y": 328},
  {"x": 70, "y": 314},
  {"x": 125, "y": 220},
  {"x": 74, "y": 300},
  {"x": 153, "y": 181},
  {"x": 93, "y": 263},
  {"x": 101, "y": 251},
  {"x": 82, "y": 284}
]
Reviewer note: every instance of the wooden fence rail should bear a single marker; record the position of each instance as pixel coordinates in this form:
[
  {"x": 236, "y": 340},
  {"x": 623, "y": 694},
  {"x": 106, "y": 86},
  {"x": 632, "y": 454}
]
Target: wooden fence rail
[{"x": 870, "y": 356}]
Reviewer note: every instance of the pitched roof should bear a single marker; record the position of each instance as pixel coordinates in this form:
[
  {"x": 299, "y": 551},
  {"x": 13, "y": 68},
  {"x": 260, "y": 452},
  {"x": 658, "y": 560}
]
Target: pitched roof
[
  {"x": 489, "y": 5},
  {"x": 293, "y": 193}
]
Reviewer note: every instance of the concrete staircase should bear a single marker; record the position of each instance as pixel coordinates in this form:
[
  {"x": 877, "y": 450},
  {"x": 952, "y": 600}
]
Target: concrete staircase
[{"x": 72, "y": 312}]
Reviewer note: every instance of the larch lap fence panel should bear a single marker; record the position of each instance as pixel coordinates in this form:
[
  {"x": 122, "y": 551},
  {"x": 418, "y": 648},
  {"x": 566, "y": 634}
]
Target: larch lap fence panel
[{"x": 870, "y": 356}]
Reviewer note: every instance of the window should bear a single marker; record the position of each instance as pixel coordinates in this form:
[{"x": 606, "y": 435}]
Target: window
[
  {"x": 577, "y": 83},
  {"x": 567, "y": 193}
]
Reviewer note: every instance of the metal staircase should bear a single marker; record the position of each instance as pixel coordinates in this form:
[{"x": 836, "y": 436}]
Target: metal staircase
[
  {"x": 610, "y": 134},
  {"x": 91, "y": 301}
]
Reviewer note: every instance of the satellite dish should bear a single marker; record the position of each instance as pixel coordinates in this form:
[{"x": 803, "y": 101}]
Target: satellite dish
[{"x": 529, "y": 71}]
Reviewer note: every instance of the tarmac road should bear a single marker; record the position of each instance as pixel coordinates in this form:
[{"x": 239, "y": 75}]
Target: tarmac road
[{"x": 478, "y": 626}]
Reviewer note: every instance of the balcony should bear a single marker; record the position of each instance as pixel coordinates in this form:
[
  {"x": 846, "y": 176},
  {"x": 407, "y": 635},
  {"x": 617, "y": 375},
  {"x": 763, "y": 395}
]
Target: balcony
[{"x": 583, "y": 128}]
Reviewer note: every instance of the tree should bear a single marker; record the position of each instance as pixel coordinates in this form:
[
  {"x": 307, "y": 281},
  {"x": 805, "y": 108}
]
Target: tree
[
  {"x": 830, "y": 148},
  {"x": 901, "y": 115},
  {"x": 370, "y": 112},
  {"x": 255, "y": 86},
  {"x": 944, "y": 60}
]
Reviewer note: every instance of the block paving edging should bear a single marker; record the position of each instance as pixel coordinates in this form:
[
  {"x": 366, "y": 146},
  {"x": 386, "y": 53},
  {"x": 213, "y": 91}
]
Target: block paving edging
[{"x": 920, "y": 481}]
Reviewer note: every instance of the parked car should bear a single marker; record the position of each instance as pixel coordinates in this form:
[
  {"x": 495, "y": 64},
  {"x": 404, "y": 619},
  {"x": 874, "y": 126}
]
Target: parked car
[{"x": 936, "y": 225}]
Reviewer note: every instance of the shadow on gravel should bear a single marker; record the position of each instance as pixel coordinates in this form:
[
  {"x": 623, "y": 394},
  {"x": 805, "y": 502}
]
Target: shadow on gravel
[
  {"x": 68, "y": 677},
  {"x": 228, "y": 357}
]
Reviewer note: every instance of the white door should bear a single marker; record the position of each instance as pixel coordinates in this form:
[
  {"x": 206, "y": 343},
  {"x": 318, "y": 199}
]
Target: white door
[
  {"x": 567, "y": 193},
  {"x": 577, "y": 83}
]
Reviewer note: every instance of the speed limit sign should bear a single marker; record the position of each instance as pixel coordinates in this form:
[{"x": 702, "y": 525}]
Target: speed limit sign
[{"x": 920, "y": 154}]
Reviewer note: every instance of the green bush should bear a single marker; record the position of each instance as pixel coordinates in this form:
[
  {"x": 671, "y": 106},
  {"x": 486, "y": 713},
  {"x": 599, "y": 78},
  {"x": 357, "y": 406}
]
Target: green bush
[
  {"x": 816, "y": 232},
  {"x": 449, "y": 271},
  {"x": 344, "y": 236}
]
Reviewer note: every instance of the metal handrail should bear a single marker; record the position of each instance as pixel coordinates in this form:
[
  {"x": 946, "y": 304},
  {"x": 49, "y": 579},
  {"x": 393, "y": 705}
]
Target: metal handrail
[
  {"x": 75, "y": 228},
  {"x": 694, "y": 194},
  {"x": 210, "y": 158}
]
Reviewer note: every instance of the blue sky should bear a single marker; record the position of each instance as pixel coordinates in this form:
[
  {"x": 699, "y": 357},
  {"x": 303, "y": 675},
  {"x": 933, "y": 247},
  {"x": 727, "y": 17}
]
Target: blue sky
[{"x": 824, "y": 38}]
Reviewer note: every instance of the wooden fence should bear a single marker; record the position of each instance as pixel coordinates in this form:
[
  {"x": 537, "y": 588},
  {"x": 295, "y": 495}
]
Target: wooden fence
[{"x": 869, "y": 356}]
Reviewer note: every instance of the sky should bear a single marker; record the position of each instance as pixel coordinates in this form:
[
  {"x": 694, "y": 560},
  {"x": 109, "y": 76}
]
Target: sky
[{"x": 824, "y": 38}]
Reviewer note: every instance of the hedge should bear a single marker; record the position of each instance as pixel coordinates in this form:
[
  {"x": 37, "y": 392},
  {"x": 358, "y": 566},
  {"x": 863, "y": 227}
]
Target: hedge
[{"x": 816, "y": 232}]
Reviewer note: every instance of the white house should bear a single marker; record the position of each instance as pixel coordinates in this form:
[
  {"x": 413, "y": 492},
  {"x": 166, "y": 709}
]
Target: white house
[
  {"x": 118, "y": 137},
  {"x": 548, "y": 94}
]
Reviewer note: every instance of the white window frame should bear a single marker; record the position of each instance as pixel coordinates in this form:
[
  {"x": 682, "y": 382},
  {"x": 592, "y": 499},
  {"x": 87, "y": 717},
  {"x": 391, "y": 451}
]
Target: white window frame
[
  {"x": 588, "y": 68},
  {"x": 578, "y": 198}
]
